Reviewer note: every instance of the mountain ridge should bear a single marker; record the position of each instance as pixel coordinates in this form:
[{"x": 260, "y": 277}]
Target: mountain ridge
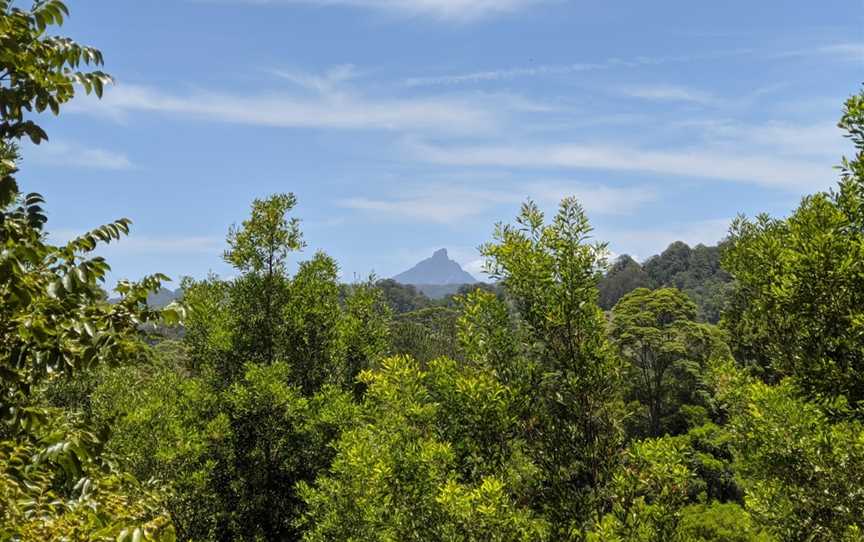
[{"x": 438, "y": 269}]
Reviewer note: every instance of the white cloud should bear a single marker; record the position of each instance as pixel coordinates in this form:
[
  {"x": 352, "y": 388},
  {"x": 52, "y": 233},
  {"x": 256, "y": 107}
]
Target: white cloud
[
  {"x": 449, "y": 204},
  {"x": 845, "y": 51},
  {"x": 456, "y": 10},
  {"x": 476, "y": 267},
  {"x": 670, "y": 93},
  {"x": 821, "y": 139},
  {"x": 326, "y": 83},
  {"x": 68, "y": 154},
  {"x": 499, "y": 75},
  {"x": 838, "y": 51},
  {"x": 338, "y": 110},
  {"x": 721, "y": 163}
]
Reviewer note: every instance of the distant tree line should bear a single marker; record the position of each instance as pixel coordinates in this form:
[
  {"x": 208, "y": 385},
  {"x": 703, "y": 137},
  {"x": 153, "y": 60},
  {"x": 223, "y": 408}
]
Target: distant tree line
[{"x": 695, "y": 271}]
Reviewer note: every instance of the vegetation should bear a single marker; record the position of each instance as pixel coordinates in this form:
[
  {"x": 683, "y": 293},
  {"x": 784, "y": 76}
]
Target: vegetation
[
  {"x": 695, "y": 271},
  {"x": 293, "y": 407}
]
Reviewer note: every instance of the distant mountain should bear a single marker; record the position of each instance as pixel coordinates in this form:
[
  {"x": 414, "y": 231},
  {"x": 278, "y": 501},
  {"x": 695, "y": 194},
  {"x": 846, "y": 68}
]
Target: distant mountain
[
  {"x": 159, "y": 299},
  {"x": 163, "y": 297},
  {"x": 437, "y": 270}
]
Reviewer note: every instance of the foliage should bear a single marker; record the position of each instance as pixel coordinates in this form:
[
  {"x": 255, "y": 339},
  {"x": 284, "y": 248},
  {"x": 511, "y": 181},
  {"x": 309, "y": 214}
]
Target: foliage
[
  {"x": 262, "y": 243},
  {"x": 402, "y": 298},
  {"x": 426, "y": 334},
  {"x": 648, "y": 490},
  {"x": 243, "y": 411},
  {"x": 695, "y": 271},
  {"x": 38, "y": 503},
  {"x": 549, "y": 273},
  {"x": 667, "y": 353},
  {"x": 798, "y": 305},
  {"x": 719, "y": 522},
  {"x": 799, "y": 469},
  {"x": 623, "y": 276},
  {"x": 434, "y": 459},
  {"x": 55, "y": 322},
  {"x": 37, "y": 72}
]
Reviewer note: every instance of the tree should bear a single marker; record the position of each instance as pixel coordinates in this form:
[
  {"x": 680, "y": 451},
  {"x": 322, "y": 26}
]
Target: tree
[
  {"x": 800, "y": 468},
  {"x": 436, "y": 457},
  {"x": 695, "y": 271},
  {"x": 667, "y": 352},
  {"x": 260, "y": 248},
  {"x": 402, "y": 297},
  {"x": 54, "y": 319},
  {"x": 624, "y": 276},
  {"x": 798, "y": 305},
  {"x": 550, "y": 274},
  {"x": 37, "y": 72},
  {"x": 426, "y": 334}
]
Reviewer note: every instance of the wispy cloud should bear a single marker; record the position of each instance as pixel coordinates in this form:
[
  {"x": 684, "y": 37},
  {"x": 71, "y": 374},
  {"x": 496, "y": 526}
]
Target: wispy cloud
[
  {"x": 448, "y": 204},
  {"x": 820, "y": 139},
  {"x": 838, "y": 51},
  {"x": 502, "y": 74},
  {"x": 846, "y": 51},
  {"x": 326, "y": 83},
  {"x": 720, "y": 162},
  {"x": 669, "y": 93},
  {"x": 454, "y": 10},
  {"x": 551, "y": 70},
  {"x": 180, "y": 244},
  {"x": 344, "y": 110},
  {"x": 69, "y": 154}
]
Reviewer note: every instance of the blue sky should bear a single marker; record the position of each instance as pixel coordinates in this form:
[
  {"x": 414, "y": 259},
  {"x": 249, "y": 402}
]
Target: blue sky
[{"x": 408, "y": 125}]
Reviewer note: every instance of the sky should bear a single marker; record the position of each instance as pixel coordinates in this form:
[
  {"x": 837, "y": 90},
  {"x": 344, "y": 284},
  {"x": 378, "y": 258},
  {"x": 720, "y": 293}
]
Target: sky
[{"x": 404, "y": 126}]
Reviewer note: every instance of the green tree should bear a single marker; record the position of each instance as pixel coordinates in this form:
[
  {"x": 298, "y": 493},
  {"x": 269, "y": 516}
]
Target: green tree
[
  {"x": 260, "y": 248},
  {"x": 436, "y": 457},
  {"x": 624, "y": 276},
  {"x": 799, "y": 468},
  {"x": 798, "y": 304},
  {"x": 55, "y": 322},
  {"x": 37, "y": 72},
  {"x": 426, "y": 334},
  {"x": 667, "y": 353},
  {"x": 550, "y": 272},
  {"x": 648, "y": 491},
  {"x": 403, "y": 297},
  {"x": 251, "y": 408}
]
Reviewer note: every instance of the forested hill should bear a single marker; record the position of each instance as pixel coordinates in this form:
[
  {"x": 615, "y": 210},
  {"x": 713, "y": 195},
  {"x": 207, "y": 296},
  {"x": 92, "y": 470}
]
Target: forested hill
[{"x": 696, "y": 271}]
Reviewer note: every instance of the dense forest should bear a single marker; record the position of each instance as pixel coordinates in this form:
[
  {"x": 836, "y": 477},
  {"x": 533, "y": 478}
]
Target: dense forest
[{"x": 708, "y": 394}]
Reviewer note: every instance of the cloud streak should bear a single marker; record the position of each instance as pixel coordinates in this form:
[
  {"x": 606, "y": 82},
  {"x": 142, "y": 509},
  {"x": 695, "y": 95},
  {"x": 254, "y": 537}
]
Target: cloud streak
[
  {"x": 69, "y": 154},
  {"x": 337, "y": 110},
  {"x": 669, "y": 93},
  {"x": 449, "y": 204},
  {"x": 720, "y": 163},
  {"x": 450, "y": 10},
  {"x": 839, "y": 51}
]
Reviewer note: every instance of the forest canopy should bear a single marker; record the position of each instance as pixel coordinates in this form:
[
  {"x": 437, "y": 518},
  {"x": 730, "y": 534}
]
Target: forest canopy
[{"x": 707, "y": 394}]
